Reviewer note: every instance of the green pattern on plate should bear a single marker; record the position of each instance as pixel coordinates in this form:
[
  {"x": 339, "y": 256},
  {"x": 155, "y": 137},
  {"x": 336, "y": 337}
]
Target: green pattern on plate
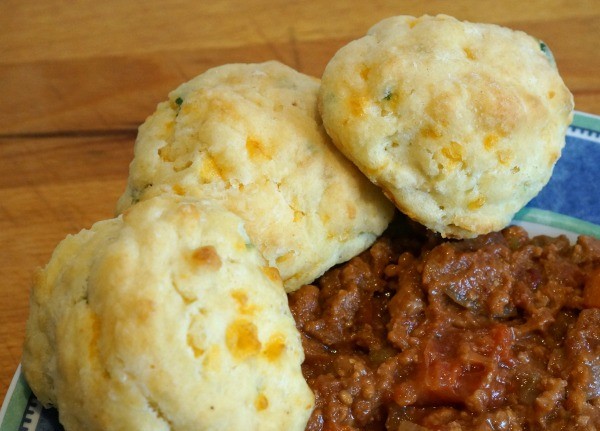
[
  {"x": 560, "y": 221},
  {"x": 16, "y": 405}
]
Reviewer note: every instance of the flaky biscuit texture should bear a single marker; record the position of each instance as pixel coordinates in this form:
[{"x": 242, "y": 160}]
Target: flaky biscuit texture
[
  {"x": 165, "y": 318},
  {"x": 250, "y": 136},
  {"x": 459, "y": 123}
]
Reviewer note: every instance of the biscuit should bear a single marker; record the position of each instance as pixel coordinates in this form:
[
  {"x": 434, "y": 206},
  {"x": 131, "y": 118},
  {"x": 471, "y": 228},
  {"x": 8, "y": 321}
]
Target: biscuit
[
  {"x": 167, "y": 319},
  {"x": 459, "y": 123},
  {"x": 250, "y": 136}
]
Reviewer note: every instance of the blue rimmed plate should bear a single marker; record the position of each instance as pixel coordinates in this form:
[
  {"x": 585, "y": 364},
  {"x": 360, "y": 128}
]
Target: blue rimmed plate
[{"x": 569, "y": 205}]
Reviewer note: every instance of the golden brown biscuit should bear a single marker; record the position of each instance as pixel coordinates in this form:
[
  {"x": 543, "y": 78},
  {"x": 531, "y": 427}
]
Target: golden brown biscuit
[
  {"x": 459, "y": 123},
  {"x": 165, "y": 318},
  {"x": 250, "y": 136}
]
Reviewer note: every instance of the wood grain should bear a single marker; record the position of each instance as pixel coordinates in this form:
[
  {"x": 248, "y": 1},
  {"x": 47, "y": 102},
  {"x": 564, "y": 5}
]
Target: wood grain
[{"x": 77, "y": 78}]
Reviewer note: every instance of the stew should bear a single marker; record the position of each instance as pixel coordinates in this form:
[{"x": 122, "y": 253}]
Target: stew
[{"x": 501, "y": 332}]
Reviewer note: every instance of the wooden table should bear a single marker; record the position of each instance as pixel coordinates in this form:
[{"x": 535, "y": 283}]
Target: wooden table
[{"x": 78, "y": 77}]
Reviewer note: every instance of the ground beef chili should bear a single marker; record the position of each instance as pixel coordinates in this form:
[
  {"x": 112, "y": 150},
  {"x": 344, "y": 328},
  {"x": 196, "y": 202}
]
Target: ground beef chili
[{"x": 501, "y": 332}]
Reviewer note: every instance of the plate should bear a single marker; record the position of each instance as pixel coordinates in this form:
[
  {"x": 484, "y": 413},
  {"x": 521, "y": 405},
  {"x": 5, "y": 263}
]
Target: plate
[{"x": 568, "y": 205}]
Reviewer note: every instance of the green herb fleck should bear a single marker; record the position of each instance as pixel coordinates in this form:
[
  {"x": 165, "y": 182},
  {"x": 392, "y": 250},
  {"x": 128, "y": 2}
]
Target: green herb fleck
[
  {"x": 546, "y": 50},
  {"x": 179, "y": 101},
  {"x": 388, "y": 95}
]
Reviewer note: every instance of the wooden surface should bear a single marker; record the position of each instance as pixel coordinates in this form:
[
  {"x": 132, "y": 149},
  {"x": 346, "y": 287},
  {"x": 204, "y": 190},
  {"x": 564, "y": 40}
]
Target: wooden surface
[{"x": 78, "y": 77}]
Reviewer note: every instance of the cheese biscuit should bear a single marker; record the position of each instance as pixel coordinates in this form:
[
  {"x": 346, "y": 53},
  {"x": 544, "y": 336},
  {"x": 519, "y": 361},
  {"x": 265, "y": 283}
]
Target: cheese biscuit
[
  {"x": 250, "y": 136},
  {"x": 459, "y": 123},
  {"x": 165, "y": 318}
]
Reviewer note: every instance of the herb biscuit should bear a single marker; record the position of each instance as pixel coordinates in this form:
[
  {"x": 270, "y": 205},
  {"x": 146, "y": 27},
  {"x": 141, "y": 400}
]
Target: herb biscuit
[
  {"x": 459, "y": 123},
  {"x": 167, "y": 319},
  {"x": 250, "y": 136}
]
